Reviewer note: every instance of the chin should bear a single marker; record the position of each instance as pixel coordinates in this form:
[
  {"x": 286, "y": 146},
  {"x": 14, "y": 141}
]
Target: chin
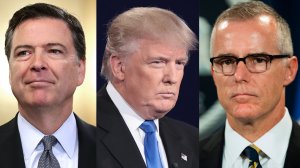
[
  {"x": 245, "y": 114},
  {"x": 158, "y": 115}
]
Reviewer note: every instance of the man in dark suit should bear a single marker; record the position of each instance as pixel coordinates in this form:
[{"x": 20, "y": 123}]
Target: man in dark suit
[
  {"x": 252, "y": 63},
  {"x": 146, "y": 52},
  {"x": 45, "y": 48}
]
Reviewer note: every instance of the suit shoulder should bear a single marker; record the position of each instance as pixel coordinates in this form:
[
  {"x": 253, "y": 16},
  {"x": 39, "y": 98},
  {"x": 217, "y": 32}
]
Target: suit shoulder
[
  {"x": 8, "y": 128},
  {"x": 85, "y": 127},
  {"x": 179, "y": 126},
  {"x": 295, "y": 136},
  {"x": 215, "y": 138}
]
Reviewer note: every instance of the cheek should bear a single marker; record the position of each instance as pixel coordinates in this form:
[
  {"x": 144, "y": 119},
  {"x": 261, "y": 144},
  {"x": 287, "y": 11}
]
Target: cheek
[
  {"x": 16, "y": 72},
  {"x": 221, "y": 86},
  {"x": 272, "y": 84}
]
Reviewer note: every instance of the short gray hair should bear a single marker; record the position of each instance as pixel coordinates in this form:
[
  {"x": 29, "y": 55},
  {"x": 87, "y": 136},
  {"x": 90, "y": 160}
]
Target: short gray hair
[
  {"x": 144, "y": 23},
  {"x": 249, "y": 10}
]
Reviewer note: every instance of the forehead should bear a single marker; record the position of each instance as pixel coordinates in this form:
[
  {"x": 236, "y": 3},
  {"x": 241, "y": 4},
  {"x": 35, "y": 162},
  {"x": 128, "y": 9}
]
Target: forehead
[
  {"x": 41, "y": 30},
  {"x": 256, "y": 35},
  {"x": 162, "y": 48}
]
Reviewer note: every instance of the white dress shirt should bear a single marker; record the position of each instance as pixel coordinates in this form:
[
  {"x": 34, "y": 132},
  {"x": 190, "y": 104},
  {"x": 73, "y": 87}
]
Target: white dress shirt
[
  {"x": 66, "y": 150},
  {"x": 133, "y": 122},
  {"x": 273, "y": 144}
]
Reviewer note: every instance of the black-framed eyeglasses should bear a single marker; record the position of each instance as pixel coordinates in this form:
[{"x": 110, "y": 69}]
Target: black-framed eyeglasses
[{"x": 255, "y": 63}]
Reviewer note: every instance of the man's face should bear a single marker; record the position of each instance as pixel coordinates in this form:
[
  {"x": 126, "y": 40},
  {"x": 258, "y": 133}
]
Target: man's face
[
  {"x": 44, "y": 67},
  {"x": 152, "y": 78},
  {"x": 244, "y": 95}
]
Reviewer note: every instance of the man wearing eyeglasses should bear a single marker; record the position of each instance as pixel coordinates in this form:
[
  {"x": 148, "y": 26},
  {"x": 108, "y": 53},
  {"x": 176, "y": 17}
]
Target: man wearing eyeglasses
[{"x": 252, "y": 63}]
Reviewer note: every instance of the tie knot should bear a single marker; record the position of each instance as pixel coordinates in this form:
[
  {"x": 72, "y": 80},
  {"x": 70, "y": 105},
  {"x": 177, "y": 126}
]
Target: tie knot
[
  {"x": 251, "y": 152},
  {"x": 49, "y": 141},
  {"x": 148, "y": 126}
]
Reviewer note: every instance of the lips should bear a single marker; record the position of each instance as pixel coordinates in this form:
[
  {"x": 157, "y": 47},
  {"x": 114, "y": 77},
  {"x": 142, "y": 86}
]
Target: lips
[
  {"x": 39, "y": 83},
  {"x": 242, "y": 97},
  {"x": 167, "y": 94},
  {"x": 242, "y": 94}
]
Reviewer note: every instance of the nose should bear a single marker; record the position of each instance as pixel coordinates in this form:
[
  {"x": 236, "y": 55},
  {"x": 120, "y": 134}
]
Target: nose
[
  {"x": 171, "y": 74},
  {"x": 241, "y": 73},
  {"x": 38, "y": 62}
]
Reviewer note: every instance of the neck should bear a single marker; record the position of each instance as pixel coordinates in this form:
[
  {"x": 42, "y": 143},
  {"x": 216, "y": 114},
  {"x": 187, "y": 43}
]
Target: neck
[
  {"x": 252, "y": 130},
  {"x": 45, "y": 119}
]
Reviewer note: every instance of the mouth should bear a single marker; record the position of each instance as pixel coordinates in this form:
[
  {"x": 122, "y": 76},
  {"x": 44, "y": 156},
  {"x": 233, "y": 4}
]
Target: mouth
[
  {"x": 167, "y": 95},
  {"x": 242, "y": 96},
  {"x": 39, "y": 83}
]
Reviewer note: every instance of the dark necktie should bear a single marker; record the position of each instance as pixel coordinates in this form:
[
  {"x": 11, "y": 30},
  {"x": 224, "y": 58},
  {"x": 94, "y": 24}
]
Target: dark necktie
[
  {"x": 150, "y": 145},
  {"x": 47, "y": 159},
  {"x": 251, "y": 152}
]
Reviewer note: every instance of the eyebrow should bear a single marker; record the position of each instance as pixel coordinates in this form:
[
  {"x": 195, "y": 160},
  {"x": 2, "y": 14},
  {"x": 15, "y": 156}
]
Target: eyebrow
[
  {"x": 186, "y": 58},
  {"x": 46, "y": 45},
  {"x": 22, "y": 46},
  {"x": 225, "y": 55},
  {"x": 56, "y": 44},
  {"x": 233, "y": 55}
]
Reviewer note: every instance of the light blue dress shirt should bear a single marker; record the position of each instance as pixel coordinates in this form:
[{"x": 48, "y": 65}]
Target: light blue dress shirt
[
  {"x": 66, "y": 151},
  {"x": 274, "y": 145}
]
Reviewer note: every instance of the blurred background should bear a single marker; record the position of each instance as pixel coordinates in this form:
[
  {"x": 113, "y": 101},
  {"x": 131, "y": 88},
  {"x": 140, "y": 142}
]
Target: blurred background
[
  {"x": 212, "y": 115},
  {"x": 187, "y": 107},
  {"x": 85, "y": 95}
]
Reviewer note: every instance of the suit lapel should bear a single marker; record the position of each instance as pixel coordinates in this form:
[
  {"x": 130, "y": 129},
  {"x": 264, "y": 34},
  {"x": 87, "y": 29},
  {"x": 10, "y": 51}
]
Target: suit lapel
[
  {"x": 178, "y": 154},
  {"x": 11, "y": 153},
  {"x": 117, "y": 138},
  {"x": 87, "y": 144},
  {"x": 211, "y": 151},
  {"x": 293, "y": 152}
]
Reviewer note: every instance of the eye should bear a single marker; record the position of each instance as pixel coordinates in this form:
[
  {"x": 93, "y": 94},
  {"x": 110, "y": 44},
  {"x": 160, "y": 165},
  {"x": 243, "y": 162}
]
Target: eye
[
  {"x": 23, "y": 53},
  {"x": 157, "y": 62},
  {"x": 181, "y": 63},
  {"x": 224, "y": 60},
  {"x": 55, "y": 51},
  {"x": 259, "y": 59}
]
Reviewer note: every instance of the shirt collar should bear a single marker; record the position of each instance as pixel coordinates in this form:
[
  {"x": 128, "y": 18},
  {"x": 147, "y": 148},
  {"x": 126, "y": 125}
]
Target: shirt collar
[
  {"x": 131, "y": 118},
  {"x": 234, "y": 144},
  {"x": 65, "y": 136},
  {"x": 274, "y": 143}
]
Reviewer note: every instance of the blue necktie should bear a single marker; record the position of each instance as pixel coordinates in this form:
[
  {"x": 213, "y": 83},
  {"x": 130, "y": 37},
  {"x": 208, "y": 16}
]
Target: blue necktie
[
  {"x": 150, "y": 145},
  {"x": 251, "y": 152}
]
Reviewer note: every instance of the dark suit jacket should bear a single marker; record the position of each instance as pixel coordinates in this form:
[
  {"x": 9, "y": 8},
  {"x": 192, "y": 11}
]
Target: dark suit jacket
[
  {"x": 116, "y": 147},
  {"x": 211, "y": 150},
  {"x": 11, "y": 153}
]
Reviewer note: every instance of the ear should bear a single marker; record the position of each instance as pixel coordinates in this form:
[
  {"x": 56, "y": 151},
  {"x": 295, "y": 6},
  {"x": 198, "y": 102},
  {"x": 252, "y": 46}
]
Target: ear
[
  {"x": 117, "y": 67},
  {"x": 81, "y": 72},
  {"x": 212, "y": 72},
  {"x": 9, "y": 74},
  {"x": 292, "y": 68}
]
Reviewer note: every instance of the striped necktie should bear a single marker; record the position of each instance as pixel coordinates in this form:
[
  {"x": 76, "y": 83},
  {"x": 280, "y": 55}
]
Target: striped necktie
[{"x": 251, "y": 152}]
